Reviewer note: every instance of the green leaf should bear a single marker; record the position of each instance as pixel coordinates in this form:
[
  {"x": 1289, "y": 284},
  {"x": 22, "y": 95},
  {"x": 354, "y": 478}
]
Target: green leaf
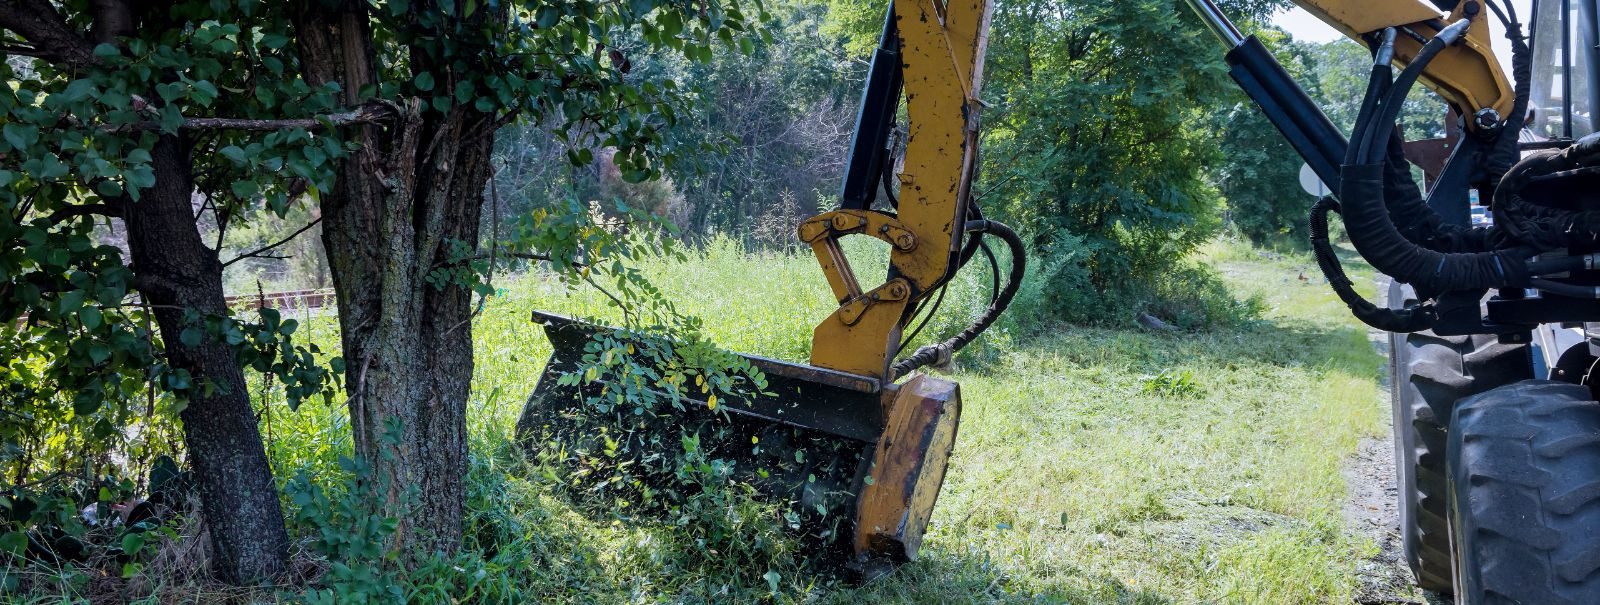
[
  {"x": 20, "y": 136},
  {"x": 108, "y": 188},
  {"x": 99, "y": 352},
  {"x": 70, "y": 302},
  {"x": 14, "y": 542},
  {"x": 244, "y": 189},
  {"x": 90, "y": 316},
  {"x": 141, "y": 177},
  {"x": 203, "y": 92},
  {"x": 233, "y": 152},
  {"x": 548, "y": 16},
  {"x": 190, "y": 337},
  {"x": 85, "y": 403},
  {"x": 275, "y": 41},
  {"x": 77, "y": 91},
  {"x": 132, "y": 543},
  {"x": 424, "y": 81}
]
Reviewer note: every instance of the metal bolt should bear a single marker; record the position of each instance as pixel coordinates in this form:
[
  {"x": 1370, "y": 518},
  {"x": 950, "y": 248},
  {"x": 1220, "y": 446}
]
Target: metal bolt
[
  {"x": 1487, "y": 118},
  {"x": 905, "y": 242}
]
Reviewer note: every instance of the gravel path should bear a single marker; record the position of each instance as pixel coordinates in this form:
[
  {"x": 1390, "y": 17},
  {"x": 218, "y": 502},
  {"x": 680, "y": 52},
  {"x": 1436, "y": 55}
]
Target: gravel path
[{"x": 1372, "y": 507}]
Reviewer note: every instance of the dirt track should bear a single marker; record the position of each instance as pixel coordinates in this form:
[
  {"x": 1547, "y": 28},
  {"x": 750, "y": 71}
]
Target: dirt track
[{"x": 1372, "y": 508}]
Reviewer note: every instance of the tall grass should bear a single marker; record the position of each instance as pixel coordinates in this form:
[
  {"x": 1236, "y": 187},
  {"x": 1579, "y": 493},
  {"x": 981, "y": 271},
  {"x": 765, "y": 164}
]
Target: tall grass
[{"x": 1092, "y": 464}]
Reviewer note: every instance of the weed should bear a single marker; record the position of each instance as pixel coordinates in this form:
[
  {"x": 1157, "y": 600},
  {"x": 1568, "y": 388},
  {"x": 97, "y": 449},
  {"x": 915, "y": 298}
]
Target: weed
[{"x": 1172, "y": 383}]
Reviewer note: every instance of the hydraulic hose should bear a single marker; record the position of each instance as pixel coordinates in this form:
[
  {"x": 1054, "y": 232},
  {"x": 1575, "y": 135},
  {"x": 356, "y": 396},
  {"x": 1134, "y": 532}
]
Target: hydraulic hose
[
  {"x": 1564, "y": 264},
  {"x": 1411, "y": 319},
  {"x": 1377, "y": 88},
  {"x": 1567, "y": 290},
  {"x": 1507, "y": 150},
  {"x": 1396, "y": 99},
  {"x": 1378, "y": 241},
  {"x": 939, "y": 354},
  {"x": 1367, "y": 216}
]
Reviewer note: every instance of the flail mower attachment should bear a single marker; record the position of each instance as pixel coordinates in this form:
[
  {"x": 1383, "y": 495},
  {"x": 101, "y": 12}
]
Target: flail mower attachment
[
  {"x": 883, "y": 431},
  {"x": 877, "y": 452}
]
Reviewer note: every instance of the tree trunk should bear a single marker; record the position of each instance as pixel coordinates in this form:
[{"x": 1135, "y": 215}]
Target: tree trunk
[
  {"x": 397, "y": 206},
  {"x": 174, "y": 270}
]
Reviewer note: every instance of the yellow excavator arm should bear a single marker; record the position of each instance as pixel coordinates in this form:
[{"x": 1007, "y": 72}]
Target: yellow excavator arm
[
  {"x": 939, "y": 47},
  {"x": 1467, "y": 75},
  {"x": 936, "y": 50}
]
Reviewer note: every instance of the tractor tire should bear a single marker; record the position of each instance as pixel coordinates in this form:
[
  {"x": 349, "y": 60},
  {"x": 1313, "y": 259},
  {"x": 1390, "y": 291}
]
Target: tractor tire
[
  {"x": 1525, "y": 495},
  {"x": 1430, "y": 373}
]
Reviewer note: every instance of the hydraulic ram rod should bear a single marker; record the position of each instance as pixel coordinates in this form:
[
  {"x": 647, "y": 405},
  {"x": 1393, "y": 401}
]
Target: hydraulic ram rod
[{"x": 1284, "y": 103}]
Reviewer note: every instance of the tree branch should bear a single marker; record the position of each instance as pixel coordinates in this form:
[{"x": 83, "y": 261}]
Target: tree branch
[
  {"x": 76, "y": 210},
  {"x": 38, "y": 22},
  {"x": 521, "y": 255},
  {"x": 262, "y": 252},
  {"x": 365, "y": 115},
  {"x": 627, "y": 315}
]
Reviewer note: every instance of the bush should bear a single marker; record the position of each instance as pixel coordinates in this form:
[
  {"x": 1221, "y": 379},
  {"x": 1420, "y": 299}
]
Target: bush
[{"x": 1062, "y": 286}]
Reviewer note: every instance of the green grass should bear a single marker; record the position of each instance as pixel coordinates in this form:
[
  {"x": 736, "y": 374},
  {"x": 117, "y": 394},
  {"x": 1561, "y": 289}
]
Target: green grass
[
  {"x": 1093, "y": 465},
  {"x": 1073, "y": 479}
]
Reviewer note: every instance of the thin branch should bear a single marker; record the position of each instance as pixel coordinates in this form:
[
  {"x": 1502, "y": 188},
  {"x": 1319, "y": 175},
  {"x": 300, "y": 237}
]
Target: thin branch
[
  {"x": 222, "y": 217},
  {"x": 627, "y": 316},
  {"x": 359, "y": 116},
  {"x": 76, "y": 210},
  {"x": 262, "y": 252},
  {"x": 519, "y": 255}
]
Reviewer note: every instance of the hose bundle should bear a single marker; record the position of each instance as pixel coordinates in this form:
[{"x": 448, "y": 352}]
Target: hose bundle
[
  {"x": 939, "y": 354},
  {"x": 1411, "y": 319},
  {"x": 1551, "y": 199}
]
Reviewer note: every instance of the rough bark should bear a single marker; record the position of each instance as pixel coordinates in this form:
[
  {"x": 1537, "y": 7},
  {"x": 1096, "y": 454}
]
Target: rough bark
[
  {"x": 175, "y": 270},
  {"x": 396, "y": 207}
]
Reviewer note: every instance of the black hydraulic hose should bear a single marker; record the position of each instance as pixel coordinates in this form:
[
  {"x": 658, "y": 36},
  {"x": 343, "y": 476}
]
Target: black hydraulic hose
[
  {"x": 1378, "y": 241},
  {"x": 1567, "y": 290},
  {"x": 1562, "y": 264},
  {"x": 940, "y": 353},
  {"x": 1396, "y": 99},
  {"x": 1411, "y": 319},
  {"x": 1377, "y": 88},
  {"x": 1367, "y": 217},
  {"x": 1507, "y": 149}
]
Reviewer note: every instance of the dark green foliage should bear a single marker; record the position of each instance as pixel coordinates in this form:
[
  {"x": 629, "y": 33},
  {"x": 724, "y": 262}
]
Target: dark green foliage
[
  {"x": 762, "y": 150},
  {"x": 1096, "y": 154},
  {"x": 1260, "y": 180},
  {"x": 1257, "y": 172}
]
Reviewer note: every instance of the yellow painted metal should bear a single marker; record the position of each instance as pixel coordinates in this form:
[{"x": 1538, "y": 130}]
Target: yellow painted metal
[
  {"x": 941, "y": 47},
  {"x": 1467, "y": 75},
  {"x": 908, "y": 466},
  {"x": 824, "y": 230}
]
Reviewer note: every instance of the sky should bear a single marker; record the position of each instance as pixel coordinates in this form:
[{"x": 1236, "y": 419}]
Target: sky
[{"x": 1303, "y": 26}]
